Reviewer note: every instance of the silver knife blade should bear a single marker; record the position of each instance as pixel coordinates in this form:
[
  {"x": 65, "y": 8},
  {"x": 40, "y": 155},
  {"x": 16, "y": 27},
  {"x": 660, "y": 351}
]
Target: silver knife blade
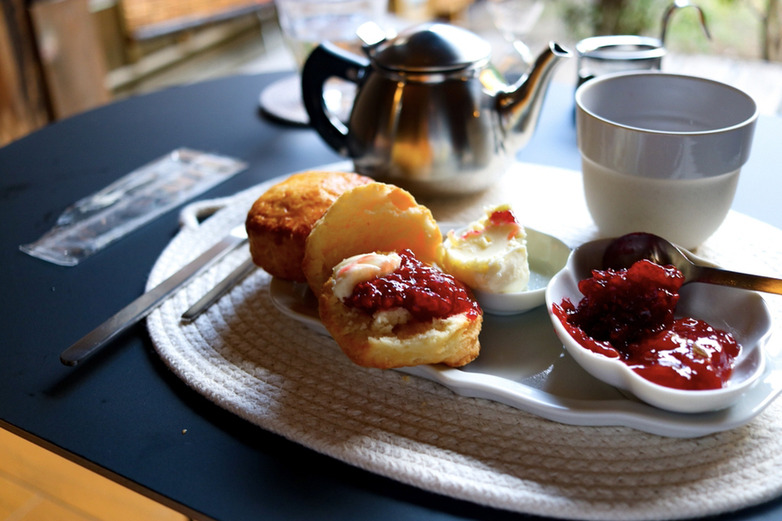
[
  {"x": 142, "y": 306},
  {"x": 214, "y": 294}
]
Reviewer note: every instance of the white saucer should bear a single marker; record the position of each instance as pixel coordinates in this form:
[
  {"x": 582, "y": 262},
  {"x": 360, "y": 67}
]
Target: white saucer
[{"x": 282, "y": 100}]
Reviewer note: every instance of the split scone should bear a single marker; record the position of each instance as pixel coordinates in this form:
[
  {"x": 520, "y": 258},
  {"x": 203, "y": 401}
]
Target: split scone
[
  {"x": 280, "y": 220},
  {"x": 372, "y": 262}
]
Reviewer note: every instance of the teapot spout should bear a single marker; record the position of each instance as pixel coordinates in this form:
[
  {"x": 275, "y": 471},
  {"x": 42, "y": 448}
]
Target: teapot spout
[{"x": 519, "y": 105}]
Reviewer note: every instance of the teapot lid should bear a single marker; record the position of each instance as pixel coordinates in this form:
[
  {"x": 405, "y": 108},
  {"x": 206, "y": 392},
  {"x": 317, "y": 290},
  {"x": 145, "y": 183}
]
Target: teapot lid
[{"x": 432, "y": 47}]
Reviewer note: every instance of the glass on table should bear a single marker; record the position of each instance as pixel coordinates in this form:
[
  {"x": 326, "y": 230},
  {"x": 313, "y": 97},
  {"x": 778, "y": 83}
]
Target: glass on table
[
  {"x": 515, "y": 19},
  {"x": 307, "y": 23},
  {"x": 601, "y": 55},
  {"x": 608, "y": 54}
]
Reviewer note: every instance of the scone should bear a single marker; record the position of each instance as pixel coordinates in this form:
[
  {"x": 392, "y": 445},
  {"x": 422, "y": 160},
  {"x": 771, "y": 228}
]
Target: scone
[
  {"x": 371, "y": 217},
  {"x": 418, "y": 324},
  {"x": 388, "y": 310},
  {"x": 281, "y": 219}
]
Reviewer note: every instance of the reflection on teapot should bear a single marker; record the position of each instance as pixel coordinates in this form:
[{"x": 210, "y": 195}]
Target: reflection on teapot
[{"x": 431, "y": 114}]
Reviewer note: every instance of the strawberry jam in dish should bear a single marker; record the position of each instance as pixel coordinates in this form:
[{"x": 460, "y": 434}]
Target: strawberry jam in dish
[
  {"x": 629, "y": 314},
  {"x": 423, "y": 290}
]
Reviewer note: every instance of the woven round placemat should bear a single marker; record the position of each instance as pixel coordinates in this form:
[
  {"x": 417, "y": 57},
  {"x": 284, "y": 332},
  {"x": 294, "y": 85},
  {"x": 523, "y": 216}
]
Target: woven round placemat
[{"x": 248, "y": 358}]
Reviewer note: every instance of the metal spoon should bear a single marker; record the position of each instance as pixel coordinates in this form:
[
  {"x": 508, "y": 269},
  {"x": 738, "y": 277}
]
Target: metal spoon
[{"x": 624, "y": 251}]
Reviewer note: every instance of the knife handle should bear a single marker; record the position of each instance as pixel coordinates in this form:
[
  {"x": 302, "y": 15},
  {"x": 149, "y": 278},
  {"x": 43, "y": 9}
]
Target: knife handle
[{"x": 143, "y": 305}]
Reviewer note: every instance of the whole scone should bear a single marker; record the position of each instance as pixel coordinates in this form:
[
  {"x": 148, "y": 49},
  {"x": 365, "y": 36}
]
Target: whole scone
[{"x": 280, "y": 220}]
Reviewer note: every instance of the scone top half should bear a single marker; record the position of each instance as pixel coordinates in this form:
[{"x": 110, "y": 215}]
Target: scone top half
[{"x": 371, "y": 217}]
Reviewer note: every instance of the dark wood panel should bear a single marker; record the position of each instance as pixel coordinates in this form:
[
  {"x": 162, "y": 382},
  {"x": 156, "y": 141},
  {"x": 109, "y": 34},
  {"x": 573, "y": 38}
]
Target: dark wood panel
[{"x": 23, "y": 105}]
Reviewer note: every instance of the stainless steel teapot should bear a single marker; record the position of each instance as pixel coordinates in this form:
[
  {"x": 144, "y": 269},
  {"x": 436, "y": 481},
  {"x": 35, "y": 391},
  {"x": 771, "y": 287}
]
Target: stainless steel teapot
[{"x": 431, "y": 114}]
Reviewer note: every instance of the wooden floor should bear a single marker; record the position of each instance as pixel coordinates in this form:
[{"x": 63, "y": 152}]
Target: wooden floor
[{"x": 37, "y": 485}]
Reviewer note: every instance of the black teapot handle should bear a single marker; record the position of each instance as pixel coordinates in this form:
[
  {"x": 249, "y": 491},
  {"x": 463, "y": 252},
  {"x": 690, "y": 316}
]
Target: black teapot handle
[{"x": 328, "y": 61}]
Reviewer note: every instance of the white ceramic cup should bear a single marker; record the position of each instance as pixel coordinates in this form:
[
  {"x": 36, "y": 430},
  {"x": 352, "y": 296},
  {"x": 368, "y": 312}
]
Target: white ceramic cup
[{"x": 661, "y": 153}]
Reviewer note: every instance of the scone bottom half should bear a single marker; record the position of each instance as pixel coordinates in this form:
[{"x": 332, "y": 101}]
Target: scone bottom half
[{"x": 413, "y": 315}]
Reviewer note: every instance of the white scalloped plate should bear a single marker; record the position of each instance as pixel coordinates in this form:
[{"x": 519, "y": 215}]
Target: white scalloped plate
[{"x": 523, "y": 364}]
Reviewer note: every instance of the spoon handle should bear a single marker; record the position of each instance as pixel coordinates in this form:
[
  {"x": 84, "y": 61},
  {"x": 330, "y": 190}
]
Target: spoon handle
[{"x": 739, "y": 280}]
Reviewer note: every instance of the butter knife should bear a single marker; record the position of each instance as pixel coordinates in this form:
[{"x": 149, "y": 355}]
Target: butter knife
[
  {"x": 142, "y": 306},
  {"x": 214, "y": 294}
]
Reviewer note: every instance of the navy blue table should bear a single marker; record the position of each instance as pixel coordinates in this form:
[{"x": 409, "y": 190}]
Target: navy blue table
[{"x": 122, "y": 413}]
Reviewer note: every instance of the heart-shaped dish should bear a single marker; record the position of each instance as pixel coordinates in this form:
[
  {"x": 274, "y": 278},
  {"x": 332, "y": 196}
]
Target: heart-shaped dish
[{"x": 742, "y": 313}]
